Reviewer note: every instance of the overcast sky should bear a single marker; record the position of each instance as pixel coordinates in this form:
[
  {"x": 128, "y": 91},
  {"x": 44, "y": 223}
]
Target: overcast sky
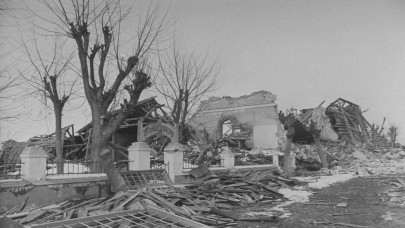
[{"x": 304, "y": 52}]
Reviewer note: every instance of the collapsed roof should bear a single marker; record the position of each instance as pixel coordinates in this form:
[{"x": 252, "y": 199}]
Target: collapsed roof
[{"x": 349, "y": 123}]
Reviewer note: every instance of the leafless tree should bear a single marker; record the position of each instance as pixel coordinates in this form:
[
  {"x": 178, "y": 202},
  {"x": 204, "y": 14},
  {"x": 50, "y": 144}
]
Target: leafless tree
[
  {"x": 95, "y": 26},
  {"x": 392, "y": 134},
  {"x": 183, "y": 79},
  {"x": 8, "y": 82},
  {"x": 52, "y": 80},
  {"x": 316, "y": 135}
]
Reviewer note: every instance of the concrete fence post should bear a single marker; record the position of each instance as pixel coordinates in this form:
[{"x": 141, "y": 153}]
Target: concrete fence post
[
  {"x": 139, "y": 156},
  {"x": 275, "y": 159},
  {"x": 228, "y": 157},
  {"x": 33, "y": 165},
  {"x": 173, "y": 158}
]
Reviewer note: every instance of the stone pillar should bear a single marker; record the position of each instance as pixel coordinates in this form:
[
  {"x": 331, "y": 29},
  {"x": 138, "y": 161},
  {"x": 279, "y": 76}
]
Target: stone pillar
[
  {"x": 227, "y": 157},
  {"x": 173, "y": 159},
  {"x": 139, "y": 152},
  {"x": 33, "y": 161},
  {"x": 275, "y": 159},
  {"x": 139, "y": 156}
]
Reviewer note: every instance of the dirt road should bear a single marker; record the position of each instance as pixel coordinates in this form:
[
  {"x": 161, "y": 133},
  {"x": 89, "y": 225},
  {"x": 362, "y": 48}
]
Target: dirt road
[{"x": 365, "y": 208}]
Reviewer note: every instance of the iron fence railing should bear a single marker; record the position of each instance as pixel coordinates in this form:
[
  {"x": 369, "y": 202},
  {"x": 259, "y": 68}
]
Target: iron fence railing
[
  {"x": 189, "y": 163},
  {"x": 10, "y": 170},
  {"x": 83, "y": 167},
  {"x": 157, "y": 162},
  {"x": 246, "y": 160},
  {"x": 280, "y": 161}
]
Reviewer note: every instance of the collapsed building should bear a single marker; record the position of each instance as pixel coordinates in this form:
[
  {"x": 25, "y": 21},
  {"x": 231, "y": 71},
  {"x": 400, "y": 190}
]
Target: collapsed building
[
  {"x": 76, "y": 146},
  {"x": 348, "y": 121},
  {"x": 341, "y": 120},
  {"x": 249, "y": 120}
]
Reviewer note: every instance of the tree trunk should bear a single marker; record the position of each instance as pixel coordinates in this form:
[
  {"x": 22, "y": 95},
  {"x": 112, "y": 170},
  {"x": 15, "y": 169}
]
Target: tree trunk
[
  {"x": 320, "y": 151},
  {"x": 101, "y": 153},
  {"x": 287, "y": 166},
  {"x": 115, "y": 178},
  {"x": 97, "y": 143},
  {"x": 182, "y": 136},
  {"x": 58, "y": 138}
]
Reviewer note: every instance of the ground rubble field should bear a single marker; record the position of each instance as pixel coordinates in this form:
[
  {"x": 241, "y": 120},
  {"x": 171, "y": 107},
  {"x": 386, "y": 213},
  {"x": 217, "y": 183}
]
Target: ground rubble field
[
  {"x": 358, "y": 202},
  {"x": 363, "y": 187},
  {"x": 208, "y": 199},
  {"x": 228, "y": 200}
]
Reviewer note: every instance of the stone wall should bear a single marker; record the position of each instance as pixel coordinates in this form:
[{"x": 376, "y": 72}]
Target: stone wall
[
  {"x": 257, "y": 111},
  {"x": 41, "y": 193}
]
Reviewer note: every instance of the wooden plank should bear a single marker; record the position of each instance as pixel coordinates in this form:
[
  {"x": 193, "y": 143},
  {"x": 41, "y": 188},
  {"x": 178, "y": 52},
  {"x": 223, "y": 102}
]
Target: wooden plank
[
  {"x": 232, "y": 215},
  {"x": 200, "y": 208},
  {"x": 78, "y": 220},
  {"x": 174, "y": 218},
  {"x": 166, "y": 203},
  {"x": 22, "y": 205},
  {"x": 82, "y": 212},
  {"x": 122, "y": 205},
  {"x": 69, "y": 214},
  {"x": 33, "y": 216},
  {"x": 17, "y": 215},
  {"x": 247, "y": 198}
]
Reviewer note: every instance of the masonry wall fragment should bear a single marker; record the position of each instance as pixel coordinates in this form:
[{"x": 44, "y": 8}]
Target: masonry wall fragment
[{"x": 256, "y": 112}]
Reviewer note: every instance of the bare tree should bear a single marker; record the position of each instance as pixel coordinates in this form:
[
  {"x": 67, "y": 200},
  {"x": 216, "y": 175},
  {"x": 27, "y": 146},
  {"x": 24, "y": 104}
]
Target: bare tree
[
  {"x": 316, "y": 135},
  {"x": 392, "y": 134},
  {"x": 183, "y": 80},
  {"x": 54, "y": 81},
  {"x": 98, "y": 23},
  {"x": 8, "y": 82}
]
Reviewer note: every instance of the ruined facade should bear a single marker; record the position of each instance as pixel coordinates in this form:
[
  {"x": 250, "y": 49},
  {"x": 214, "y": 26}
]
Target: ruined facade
[{"x": 251, "y": 117}]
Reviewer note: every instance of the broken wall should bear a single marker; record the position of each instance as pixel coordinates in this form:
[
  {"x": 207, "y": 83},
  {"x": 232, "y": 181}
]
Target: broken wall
[
  {"x": 258, "y": 111},
  {"x": 323, "y": 123}
]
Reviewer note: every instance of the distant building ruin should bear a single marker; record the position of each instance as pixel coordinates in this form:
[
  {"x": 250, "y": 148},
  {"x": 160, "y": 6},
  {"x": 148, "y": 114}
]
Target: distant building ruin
[{"x": 250, "y": 119}]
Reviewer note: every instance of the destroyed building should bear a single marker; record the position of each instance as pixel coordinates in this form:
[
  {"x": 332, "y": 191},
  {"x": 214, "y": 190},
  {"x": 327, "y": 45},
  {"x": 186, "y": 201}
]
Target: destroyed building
[
  {"x": 348, "y": 121},
  {"x": 341, "y": 120},
  {"x": 75, "y": 146},
  {"x": 250, "y": 120}
]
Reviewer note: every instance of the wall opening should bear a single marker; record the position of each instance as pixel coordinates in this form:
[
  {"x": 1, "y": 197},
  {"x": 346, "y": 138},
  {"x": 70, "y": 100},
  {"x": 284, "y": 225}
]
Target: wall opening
[{"x": 227, "y": 128}]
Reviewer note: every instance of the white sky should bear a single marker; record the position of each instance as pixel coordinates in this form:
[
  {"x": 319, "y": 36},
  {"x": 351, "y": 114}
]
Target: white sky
[{"x": 302, "y": 51}]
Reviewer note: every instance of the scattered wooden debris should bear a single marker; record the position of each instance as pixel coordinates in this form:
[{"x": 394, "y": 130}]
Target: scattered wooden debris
[
  {"x": 208, "y": 200},
  {"x": 339, "y": 224},
  {"x": 395, "y": 192},
  {"x": 344, "y": 214}
]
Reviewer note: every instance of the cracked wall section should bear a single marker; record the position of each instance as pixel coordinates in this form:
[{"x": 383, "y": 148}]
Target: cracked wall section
[{"x": 257, "y": 110}]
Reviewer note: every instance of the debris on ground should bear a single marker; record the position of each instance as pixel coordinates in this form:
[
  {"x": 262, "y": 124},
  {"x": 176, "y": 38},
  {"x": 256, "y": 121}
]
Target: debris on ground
[{"x": 208, "y": 199}]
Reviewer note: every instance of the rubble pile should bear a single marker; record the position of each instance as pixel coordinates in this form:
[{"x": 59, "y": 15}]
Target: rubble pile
[
  {"x": 368, "y": 163},
  {"x": 209, "y": 199},
  {"x": 254, "y": 157},
  {"x": 201, "y": 152},
  {"x": 395, "y": 192},
  {"x": 208, "y": 154},
  {"x": 360, "y": 158}
]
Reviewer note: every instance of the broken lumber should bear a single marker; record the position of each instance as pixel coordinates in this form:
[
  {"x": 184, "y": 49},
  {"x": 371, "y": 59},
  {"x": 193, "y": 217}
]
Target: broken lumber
[{"x": 232, "y": 215}]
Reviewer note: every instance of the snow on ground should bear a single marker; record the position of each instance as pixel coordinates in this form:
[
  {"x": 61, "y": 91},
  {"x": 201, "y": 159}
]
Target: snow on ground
[
  {"x": 325, "y": 181},
  {"x": 300, "y": 194}
]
